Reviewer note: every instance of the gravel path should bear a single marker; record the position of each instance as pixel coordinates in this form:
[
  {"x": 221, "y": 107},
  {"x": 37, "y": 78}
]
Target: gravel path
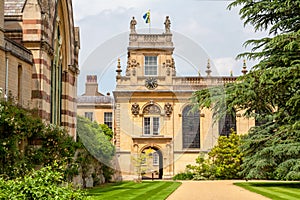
[{"x": 213, "y": 190}]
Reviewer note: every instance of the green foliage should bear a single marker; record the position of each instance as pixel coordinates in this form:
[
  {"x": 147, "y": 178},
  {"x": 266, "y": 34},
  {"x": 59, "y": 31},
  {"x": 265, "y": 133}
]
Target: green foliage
[
  {"x": 96, "y": 148},
  {"x": 226, "y": 157},
  {"x": 27, "y": 142},
  {"x": 107, "y": 131},
  {"x": 184, "y": 176},
  {"x": 270, "y": 92},
  {"x": 203, "y": 170},
  {"x": 45, "y": 183},
  {"x": 95, "y": 140},
  {"x": 222, "y": 162},
  {"x": 142, "y": 162}
]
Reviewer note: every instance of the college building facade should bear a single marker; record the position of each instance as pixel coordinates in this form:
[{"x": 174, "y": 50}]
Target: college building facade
[
  {"x": 153, "y": 110},
  {"x": 39, "y": 48}
]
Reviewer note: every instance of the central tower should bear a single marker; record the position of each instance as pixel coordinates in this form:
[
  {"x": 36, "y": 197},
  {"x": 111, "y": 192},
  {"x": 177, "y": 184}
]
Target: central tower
[
  {"x": 153, "y": 112},
  {"x": 144, "y": 103}
]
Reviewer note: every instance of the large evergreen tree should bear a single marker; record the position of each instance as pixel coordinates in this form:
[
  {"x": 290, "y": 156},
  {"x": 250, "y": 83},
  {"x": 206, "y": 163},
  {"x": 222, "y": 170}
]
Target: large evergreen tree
[{"x": 270, "y": 92}]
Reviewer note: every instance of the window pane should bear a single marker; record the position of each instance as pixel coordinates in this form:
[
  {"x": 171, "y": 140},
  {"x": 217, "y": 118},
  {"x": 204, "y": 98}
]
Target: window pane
[
  {"x": 147, "y": 125},
  {"x": 89, "y": 115},
  {"x": 155, "y": 125},
  {"x": 155, "y": 158},
  {"x": 151, "y": 65},
  {"x": 226, "y": 124},
  {"x": 190, "y": 128},
  {"x": 108, "y": 119}
]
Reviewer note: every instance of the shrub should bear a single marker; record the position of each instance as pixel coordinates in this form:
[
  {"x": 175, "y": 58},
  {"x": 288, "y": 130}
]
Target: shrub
[
  {"x": 223, "y": 161},
  {"x": 184, "y": 176},
  {"x": 39, "y": 184}
]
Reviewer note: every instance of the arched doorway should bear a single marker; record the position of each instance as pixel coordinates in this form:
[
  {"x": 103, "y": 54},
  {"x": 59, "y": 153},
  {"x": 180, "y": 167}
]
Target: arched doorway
[{"x": 153, "y": 163}]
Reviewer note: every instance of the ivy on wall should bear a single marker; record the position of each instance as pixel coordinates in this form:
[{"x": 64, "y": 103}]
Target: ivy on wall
[{"x": 27, "y": 143}]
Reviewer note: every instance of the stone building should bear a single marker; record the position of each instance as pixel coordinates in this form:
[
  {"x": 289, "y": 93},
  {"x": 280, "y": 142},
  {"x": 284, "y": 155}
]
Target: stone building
[
  {"x": 153, "y": 111},
  {"x": 94, "y": 105},
  {"x": 39, "y": 57}
]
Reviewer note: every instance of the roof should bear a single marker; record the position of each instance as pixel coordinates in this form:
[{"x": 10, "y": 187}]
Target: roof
[
  {"x": 95, "y": 99},
  {"x": 13, "y": 7}
]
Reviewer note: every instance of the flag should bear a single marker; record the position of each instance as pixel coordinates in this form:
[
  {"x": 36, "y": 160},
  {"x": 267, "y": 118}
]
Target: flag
[{"x": 146, "y": 17}]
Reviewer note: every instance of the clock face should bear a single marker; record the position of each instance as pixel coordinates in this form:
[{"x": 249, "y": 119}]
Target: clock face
[{"x": 151, "y": 83}]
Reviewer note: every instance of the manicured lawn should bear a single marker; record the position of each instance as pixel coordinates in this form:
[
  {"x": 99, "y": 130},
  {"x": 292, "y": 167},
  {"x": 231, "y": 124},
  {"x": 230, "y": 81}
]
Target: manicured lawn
[
  {"x": 157, "y": 190},
  {"x": 274, "y": 190}
]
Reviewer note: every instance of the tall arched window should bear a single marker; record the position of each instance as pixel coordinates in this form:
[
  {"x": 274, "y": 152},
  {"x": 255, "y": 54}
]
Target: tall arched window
[
  {"x": 226, "y": 124},
  {"x": 151, "y": 120},
  {"x": 56, "y": 80},
  {"x": 190, "y": 128},
  {"x": 20, "y": 80}
]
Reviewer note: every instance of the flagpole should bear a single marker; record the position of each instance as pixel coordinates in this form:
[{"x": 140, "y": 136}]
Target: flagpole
[{"x": 149, "y": 22}]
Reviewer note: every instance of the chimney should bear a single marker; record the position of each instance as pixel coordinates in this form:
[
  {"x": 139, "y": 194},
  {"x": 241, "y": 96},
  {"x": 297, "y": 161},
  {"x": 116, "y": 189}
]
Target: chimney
[{"x": 91, "y": 86}]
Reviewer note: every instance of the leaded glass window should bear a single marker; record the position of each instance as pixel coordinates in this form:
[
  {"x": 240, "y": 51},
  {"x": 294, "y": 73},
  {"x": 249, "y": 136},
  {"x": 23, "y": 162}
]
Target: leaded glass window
[
  {"x": 190, "y": 128},
  {"x": 227, "y": 124}
]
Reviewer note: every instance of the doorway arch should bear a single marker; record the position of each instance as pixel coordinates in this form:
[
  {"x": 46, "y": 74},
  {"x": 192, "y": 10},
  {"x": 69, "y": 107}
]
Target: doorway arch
[{"x": 155, "y": 164}]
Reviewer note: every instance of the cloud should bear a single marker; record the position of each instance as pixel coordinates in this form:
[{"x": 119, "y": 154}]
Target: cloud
[
  {"x": 220, "y": 33},
  {"x": 227, "y": 64},
  {"x": 85, "y": 8}
]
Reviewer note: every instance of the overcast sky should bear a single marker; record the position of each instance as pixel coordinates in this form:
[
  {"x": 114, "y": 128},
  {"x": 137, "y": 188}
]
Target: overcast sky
[{"x": 202, "y": 29}]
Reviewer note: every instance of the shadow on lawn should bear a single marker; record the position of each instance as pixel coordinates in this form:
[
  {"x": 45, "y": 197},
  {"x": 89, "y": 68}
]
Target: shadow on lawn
[
  {"x": 276, "y": 184},
  {"x": 116, "y": 186}
]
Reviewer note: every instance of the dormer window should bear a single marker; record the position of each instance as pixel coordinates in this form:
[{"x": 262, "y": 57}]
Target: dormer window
[{"x": 150, "y": 65}]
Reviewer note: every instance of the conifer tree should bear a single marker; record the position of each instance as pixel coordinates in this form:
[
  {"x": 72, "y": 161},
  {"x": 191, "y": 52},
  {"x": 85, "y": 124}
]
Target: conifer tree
[{"x": 270, "y": 92}]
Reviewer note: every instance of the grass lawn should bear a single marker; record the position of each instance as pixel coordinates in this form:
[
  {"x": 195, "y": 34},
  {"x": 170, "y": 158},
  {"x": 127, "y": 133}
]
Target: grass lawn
[
  {"x": 274, "y": 190},
  {"x": 157, "y": 190}
]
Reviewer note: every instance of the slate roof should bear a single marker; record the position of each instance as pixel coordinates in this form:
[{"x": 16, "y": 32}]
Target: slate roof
[
  {"x": 13, "y": 7},
  {"x": 95, "y": 99}
]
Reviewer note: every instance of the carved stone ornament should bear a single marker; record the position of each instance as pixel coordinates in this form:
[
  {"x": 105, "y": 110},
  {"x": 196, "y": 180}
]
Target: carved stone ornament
[
  {"x": 168, "y": 109},
  {"x": 132, "y": 63},
  {"x": 135, "y": 109},
  {"x": 170, "y": 63},
  {"x": 168, "y": 72},
  {"x": 151, "y": 109}
]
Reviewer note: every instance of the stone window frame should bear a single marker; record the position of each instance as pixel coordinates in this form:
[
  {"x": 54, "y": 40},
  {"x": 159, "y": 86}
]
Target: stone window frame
[
  {"x": 151, "y": 120},
  {"x": 150, "y": 69}
]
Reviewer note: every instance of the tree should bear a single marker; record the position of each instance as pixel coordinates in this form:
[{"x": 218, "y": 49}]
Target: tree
[
  {"x": 96, "y": 148},
  {"x": 226, "y": 157},
  {"x": 95, "y": 140},
  {"x": 269, "y": 92},
  {"x": 142, "y": 163}
]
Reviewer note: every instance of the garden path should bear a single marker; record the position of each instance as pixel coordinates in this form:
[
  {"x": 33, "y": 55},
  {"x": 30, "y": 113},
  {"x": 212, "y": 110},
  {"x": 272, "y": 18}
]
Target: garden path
[{"x": 213, "y": 190}]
